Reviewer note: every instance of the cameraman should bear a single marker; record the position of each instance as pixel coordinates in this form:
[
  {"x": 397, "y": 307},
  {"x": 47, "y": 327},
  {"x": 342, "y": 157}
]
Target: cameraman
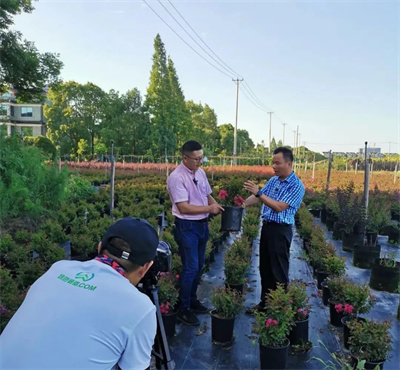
[{"x": 89, "y": 315}]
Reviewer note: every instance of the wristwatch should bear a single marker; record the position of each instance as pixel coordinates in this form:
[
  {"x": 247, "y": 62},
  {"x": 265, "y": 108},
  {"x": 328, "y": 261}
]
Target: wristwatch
[{"x": 259, "y": 193}]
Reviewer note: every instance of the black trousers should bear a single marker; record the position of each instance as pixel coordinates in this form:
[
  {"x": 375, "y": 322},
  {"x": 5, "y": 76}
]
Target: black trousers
[{"x": 274, "y": 255}]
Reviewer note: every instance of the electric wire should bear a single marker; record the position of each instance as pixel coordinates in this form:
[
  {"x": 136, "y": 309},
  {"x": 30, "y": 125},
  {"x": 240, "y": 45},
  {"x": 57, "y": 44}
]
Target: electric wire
[{"x": 176, "y": 33}]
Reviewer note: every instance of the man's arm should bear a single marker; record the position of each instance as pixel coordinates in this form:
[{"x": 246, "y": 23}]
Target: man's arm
[
  {"x": 189, "y": 209},
  {"x": 277, "y": 206}
]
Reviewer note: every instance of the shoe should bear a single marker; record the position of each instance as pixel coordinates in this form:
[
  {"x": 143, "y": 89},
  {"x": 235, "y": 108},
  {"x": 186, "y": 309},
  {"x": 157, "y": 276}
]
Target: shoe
[
  {"x": 197, "y": 307},
  {"x": 260, "y": 307},
  {"x": 188, "y": 318}
]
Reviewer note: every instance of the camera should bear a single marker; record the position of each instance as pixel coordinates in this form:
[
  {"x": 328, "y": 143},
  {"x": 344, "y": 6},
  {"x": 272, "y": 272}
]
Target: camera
[{"x": 161, "y": 263}]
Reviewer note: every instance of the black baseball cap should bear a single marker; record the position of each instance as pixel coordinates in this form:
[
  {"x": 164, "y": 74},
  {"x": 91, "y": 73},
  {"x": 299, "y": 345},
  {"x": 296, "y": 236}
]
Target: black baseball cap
[{"x": 139, "y": 234}]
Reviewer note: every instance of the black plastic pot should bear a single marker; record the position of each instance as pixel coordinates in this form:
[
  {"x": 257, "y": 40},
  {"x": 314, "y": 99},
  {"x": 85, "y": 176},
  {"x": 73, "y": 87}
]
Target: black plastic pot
[
  {"x": 350, "y": 240},
  {"x": 221, "y": 329},
  {"x": 335, "y": 316},
  {"x": 394, "y": 236},
  {"x": 371, "y": 238},
  {"x": 299, "y": 332},
  {"x": 323, "y": 215},
  {"x": 315, "y": 212},
  {"x": 384, "y": 278},
  {"x": 336, "y": 232},
  {"x": 306, "y": 245},
  {"x": 369, "y": 365},
  {"x": 326, "y": 293},
  {"x": 321, "y": 276},
  {"x": 274, "y": 357},
  {"x": 231, "y": 219},
  {"x": 169, "y": 321},
  {"x": 346, "y": 330},
  {"x": 365, "y": 256}
]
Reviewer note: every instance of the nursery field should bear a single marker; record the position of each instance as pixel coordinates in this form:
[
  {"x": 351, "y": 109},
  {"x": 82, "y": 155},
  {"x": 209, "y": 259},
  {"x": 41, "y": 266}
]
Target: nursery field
[{"x": 50, "y": 213}]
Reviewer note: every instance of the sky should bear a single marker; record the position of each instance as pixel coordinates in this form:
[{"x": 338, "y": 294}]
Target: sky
[{"x": 330, "y": 68}]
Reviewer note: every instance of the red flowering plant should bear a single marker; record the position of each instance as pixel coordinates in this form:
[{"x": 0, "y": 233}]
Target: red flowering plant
[
  {"x": 230, "y": 193},
  {"x": 297, "y": 290},
  {"x": 168, "y": 292},
  {"x": 274, "y": 323}
]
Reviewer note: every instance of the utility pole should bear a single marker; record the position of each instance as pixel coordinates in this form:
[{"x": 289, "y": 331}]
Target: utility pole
[
  {"x": 328, "y": 179},
  {"x": 270, "y": 127},
  {"x": 283, "y": 137},
  {"x": 237, "y": 81},
  {"x": 366, "y": 177}
]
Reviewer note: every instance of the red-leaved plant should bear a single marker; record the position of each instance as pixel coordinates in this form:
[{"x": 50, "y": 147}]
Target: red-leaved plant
[{"x": 225, "y": 199}]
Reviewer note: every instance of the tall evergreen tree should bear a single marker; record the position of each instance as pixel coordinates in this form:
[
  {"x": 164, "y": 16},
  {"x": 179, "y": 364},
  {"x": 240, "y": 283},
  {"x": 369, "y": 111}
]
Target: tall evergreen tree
[
  {"x": 158, "y": 103},
  {"x": 179, "y": 112}
]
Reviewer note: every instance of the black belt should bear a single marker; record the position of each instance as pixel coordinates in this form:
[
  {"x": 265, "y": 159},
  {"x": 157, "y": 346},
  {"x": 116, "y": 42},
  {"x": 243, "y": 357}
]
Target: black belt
[
  {"x": 202, "y": 221},
  {"x": 275, "y": 223}
]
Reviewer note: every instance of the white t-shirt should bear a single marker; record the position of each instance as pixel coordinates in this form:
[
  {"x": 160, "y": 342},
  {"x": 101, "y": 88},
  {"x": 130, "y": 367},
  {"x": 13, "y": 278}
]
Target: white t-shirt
[{"x": 80, "y": 315}]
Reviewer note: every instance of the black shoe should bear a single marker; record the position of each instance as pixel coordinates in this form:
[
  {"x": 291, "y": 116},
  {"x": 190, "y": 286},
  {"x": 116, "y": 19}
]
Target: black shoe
[
  {"x": 260, "y": 307},
  {"x": 188, "y": 318},
  {"x": 197, "y": 307}
]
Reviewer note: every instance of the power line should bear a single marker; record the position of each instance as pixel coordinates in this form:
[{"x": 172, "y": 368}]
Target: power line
[
  {"x": 183, "y": 28},
  {"x": 185, "y": 40},
  {"x": 237, "y": 74}
]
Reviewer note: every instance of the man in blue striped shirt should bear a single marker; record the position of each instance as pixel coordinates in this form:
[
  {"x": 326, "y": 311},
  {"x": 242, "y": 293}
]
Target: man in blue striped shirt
[{"x": 281, "y": 198}]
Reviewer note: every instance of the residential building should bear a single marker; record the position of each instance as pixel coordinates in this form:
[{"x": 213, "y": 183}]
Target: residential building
[{"x": 18, "y": 118}]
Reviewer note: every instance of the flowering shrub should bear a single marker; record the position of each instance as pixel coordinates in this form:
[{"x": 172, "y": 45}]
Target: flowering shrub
[
  {"x": 226, "y": 200},
  {"x": 298, "y": 299},
  {"x": 346, "y": 308},
  {"x": 274, "y": 323},
  {"x": 168, "y": 292}
]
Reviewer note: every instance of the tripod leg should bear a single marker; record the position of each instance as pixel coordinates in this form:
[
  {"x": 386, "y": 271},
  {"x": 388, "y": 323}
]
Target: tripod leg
[{"x": 161, "y": 349}]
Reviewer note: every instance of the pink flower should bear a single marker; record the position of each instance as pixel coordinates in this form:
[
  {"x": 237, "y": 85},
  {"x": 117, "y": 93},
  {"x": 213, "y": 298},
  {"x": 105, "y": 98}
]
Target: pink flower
[
  {"x": 268, "y": 323},
  {"x": 177, "y": 276},
  {"x": 299, "y": 310},
  {"x": 305, "y": 313},
  {"x": 348, "y": 308},
  {"x": 338, "y": 308},
  {"x": 238, "y": 201},
  {"x": 223, "y": 194},
  {"x": 275, "y": 322}
]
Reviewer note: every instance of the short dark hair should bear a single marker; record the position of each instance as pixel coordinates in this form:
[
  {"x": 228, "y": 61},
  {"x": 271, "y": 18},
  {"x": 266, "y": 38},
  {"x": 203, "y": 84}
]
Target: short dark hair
[
  {"x": 122, "y": 245},
  {"x": 286, "y": 152},
  {"x": 190, "y": 146}
]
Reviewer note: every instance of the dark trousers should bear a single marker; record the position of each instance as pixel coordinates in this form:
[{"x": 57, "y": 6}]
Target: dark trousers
[
  {"x": 274, "y": 256},
  {"x": 191, "y": 238}
]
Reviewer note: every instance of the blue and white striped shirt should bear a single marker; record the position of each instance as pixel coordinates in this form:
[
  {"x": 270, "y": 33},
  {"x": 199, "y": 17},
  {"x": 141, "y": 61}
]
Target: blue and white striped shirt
[{"x": 291, "y": 191}]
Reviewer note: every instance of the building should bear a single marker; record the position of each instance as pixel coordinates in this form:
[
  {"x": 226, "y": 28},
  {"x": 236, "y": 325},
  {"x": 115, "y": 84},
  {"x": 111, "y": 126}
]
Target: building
[
  {"x": 371, "y": 151},
  {"x": 21, "y": 118}
]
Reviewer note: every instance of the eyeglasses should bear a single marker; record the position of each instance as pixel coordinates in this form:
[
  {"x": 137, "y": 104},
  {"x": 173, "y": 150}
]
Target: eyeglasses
[{"x": 197, "y": 159}]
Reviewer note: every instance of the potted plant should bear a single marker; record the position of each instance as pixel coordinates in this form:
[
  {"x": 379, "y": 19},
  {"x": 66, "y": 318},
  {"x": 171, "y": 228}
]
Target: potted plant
[
  {"x": 228, "y": 304},
  {"x": 273, "y": 327},
  {"x": 360, "y": 301},
  {"x": 231, "y": 219},
  {"x": 364, "y": 256},
  {"x": 235, "y": 271},
  {"x": 370, "y": 341},
  {"x": 395, "y": 211},
  {"x": 331, "y": 265},
  {"x": 385, "y": 273},
  {"x": 297, "y": 291},
  {"x": 168, "y": 294},
  {"x": 336, "y": 286}
]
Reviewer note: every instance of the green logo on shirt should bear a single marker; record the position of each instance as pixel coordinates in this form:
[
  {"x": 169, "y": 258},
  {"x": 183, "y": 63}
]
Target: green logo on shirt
[
  {"x": 74, "y": 282},
  {"x": 84, "y": 277}
]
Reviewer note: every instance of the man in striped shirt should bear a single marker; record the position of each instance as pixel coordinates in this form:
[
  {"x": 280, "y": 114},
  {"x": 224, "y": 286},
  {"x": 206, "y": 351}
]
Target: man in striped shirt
[{"x": 281, "y": 198}]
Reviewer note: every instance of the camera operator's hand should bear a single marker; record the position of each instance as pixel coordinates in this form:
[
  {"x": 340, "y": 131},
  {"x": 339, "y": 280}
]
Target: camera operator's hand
[{"x": 216, "y": 208}]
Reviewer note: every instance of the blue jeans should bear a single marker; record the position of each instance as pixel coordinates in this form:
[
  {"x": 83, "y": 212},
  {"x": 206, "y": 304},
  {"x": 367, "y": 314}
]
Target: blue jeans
[{"x": 191, "y": 238}]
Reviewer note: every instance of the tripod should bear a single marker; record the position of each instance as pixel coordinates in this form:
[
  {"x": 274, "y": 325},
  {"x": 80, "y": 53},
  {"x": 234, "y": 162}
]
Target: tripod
[{"x": 160, "y": 348}]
